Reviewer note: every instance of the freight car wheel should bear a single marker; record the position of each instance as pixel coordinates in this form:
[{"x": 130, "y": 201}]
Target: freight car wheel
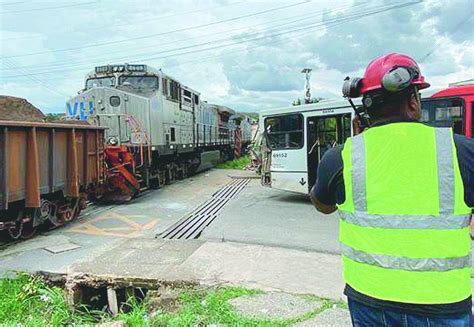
[
  {"x": 15, "y": 232},
  {"x": 28, "y": 230},
  {"x": 22, "y": 231}
]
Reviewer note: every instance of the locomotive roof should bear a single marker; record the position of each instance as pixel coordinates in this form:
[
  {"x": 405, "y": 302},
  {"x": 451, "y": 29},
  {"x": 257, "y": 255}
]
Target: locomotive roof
[
  {"x": 121, "y": 68},
  {"x": 324, "y": 104}
]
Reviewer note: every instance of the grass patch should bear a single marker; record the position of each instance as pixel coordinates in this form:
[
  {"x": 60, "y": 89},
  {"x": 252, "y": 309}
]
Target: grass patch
[
  {"x": 240, "y": 163},
  {"x": 201, "y": 308},
  {"x": 29, "y": 302}
]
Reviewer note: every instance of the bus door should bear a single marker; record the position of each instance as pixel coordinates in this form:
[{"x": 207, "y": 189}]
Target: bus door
[{"x": 323, "y": 133}]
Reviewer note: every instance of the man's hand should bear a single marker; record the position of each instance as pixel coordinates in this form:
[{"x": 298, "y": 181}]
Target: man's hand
[
  {"x": 356, "y": 125},
  {"x": 321, "y": 207}
]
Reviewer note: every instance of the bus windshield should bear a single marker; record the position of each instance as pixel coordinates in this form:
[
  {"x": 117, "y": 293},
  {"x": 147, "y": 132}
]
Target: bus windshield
[
  {"x": 145, "y": 82},
  {"x": 100, "y": 82},
  {"x": 443, "y": 113}
]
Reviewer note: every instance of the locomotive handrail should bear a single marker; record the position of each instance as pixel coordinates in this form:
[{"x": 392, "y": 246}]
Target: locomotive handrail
[{"x": 135, "y": 127}]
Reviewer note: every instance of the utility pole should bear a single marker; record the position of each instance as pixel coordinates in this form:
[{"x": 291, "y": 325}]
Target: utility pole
[{"x": 307, "y": 95}]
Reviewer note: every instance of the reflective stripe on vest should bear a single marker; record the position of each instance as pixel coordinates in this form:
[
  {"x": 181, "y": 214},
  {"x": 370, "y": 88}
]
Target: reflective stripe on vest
[
  {"x": 429, "y": 246},
  {"x": 411, "y": 264}
]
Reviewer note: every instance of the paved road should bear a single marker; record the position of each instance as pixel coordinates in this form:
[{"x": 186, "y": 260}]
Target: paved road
[{"x": 266, "y": 216}]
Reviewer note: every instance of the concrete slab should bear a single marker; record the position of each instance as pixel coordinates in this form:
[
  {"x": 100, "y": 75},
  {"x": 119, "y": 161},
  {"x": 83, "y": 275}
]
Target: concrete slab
[
  {"x": 266, "y": 268},
  {"x": 140, "y": 258},
  {"x": 274, "y": 305},
  {"x": 217, "y": 263},
  {"x": 266, "y": 216},
  {"x": 335, "y": 317},
  {"x": 55, "y": 249}
]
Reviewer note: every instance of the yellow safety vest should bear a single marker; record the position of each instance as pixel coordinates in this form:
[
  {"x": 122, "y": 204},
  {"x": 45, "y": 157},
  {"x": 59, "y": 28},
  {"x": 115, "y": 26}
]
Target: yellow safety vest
[{"x": 404, "y": 227}]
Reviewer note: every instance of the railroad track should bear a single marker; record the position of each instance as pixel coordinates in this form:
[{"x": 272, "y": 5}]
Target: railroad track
[{"x": 193, "y": 224}]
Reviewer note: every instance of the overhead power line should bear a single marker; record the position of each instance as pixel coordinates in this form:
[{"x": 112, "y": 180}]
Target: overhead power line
[
  {"x": 453, "y": 31},
  {"x": 37, "y": 81},
  {"x": 141, "y": 21},
  {"x": 292, "y": 20},
  {"x": 364, "y": 14},
  {"x": 48, "y": 8},
  {"x": 328, "y": 23},
  {"x": 11, "y": 3},
  {"x": 161, "y": 33}
]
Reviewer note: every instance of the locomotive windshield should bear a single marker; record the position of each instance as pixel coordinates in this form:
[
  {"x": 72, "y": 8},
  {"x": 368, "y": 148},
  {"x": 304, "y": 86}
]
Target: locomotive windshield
[
  {"x": 100, "y": 82},
  {"x": 443, "y": 113},
  {"x": 144, "y": 82}
]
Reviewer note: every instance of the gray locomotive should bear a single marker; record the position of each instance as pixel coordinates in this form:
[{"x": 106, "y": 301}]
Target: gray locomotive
[{"x": 158, "y": 130}]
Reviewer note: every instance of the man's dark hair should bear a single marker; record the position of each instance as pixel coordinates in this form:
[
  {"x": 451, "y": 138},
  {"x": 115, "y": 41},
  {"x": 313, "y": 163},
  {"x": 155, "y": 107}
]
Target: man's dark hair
[{"x": 387, "y": 105}]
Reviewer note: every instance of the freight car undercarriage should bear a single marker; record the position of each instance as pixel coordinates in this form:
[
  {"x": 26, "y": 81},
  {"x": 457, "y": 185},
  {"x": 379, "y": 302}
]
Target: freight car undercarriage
[{"x": 55, "y": 210}]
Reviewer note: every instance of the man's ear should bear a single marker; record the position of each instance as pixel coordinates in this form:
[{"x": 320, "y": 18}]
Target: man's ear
[{"x": 414, "y": 107}]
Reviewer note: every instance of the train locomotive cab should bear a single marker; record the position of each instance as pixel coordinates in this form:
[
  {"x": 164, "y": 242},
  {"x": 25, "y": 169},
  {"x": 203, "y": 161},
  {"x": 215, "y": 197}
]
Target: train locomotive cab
[{"x": 295, "y": 140}]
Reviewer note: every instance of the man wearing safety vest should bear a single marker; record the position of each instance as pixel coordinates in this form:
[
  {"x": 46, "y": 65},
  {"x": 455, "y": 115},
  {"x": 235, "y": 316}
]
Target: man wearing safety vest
[{"x": 405, "y": 193}]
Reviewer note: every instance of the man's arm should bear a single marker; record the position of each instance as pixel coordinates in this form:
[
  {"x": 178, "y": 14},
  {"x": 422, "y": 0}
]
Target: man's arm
[
  {"x": 465, "y": 152},
  {"x": 329, "y": 187}
]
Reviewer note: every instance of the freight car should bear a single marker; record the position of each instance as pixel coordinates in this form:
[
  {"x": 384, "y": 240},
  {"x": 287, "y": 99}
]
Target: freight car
[
  {"x": 47, "y": 173},
  {"x": 158, "y": 130}
]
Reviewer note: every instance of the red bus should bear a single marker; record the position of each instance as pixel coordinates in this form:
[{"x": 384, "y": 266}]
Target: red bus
[{"x": 451, "y": 107}]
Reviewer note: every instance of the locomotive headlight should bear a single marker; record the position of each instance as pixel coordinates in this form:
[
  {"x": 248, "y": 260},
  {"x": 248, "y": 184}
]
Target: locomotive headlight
[
  {"x": 118, "y": 68},
  {"x": 112, "y": 140},
  {"x": 101, "y": 69},
  {"x": 136, "y": 68}
]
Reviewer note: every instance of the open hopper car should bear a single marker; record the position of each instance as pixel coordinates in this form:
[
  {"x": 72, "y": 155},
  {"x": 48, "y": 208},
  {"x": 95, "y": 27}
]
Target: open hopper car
[{"x": 47, "y": 173}]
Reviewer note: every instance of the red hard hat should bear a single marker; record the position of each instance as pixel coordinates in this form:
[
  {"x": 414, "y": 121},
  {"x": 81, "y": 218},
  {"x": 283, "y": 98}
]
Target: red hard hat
[{"x": 379, "y": 67}]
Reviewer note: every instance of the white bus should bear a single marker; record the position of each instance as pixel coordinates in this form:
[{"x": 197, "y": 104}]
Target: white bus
[{"x": 295, "y": 139}]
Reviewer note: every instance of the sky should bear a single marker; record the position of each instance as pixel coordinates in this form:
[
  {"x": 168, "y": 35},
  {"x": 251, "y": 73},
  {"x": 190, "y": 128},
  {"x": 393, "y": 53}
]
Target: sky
[{"x": 247, "y": 55}]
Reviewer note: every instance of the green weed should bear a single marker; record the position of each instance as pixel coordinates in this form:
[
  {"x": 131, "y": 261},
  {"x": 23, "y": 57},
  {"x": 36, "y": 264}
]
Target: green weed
[
  {"x": 29, "y": 302},
  {"x": 240, "y": 163}
]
